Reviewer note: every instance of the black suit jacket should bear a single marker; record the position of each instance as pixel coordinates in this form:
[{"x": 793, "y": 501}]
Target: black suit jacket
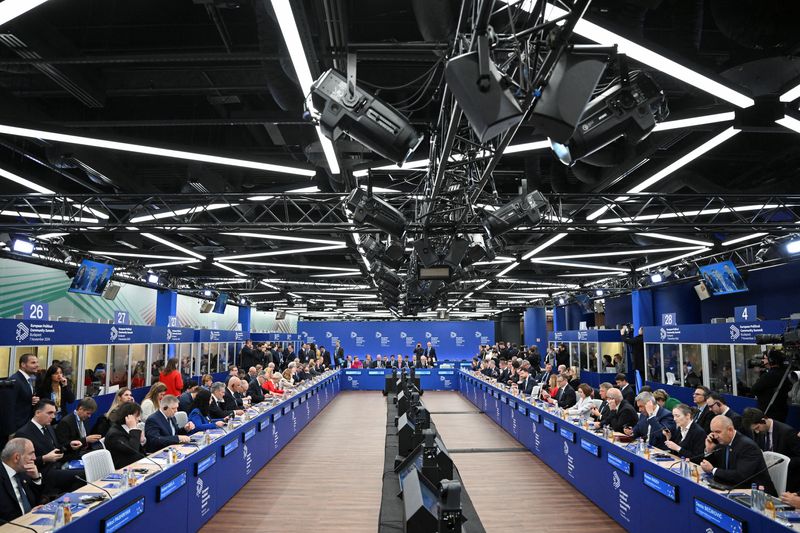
[
  {"x": 566, "y": 397},
  {"x": 247, "y": 358},
  {"x": 526, "y": 385},
  {"x": 125, "y": 447},
  {"x": 703, "y": 419},
  {"x": 784, "y": 440},
  {"x": 255, "y": 392},
  {"x": 215, "y": 410},
  {"x": 764, "y": 388},
  {"x": 628, "y": 394},
  {"x": 41, "y": 444},
  {"x": 661, "y": 420},
  {"x": 744, "y": 459},
  {"x": 693, "y": 445},
  {"x": 158, "y": 433},
  {"x": 605, "y": 411},
  {"x": 231, "y": 401},
  {"x": 22, "y": 408},
  {"x": 625, "y": 415},
  {"x": 67, "y": 431},
  {"x": 9, "y": 506},
  {"x": 737, "y": 421}
]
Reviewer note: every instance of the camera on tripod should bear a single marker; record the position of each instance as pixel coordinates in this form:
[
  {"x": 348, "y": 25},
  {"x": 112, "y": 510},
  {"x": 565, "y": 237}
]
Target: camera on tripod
[{"x": 790, "y": 339}]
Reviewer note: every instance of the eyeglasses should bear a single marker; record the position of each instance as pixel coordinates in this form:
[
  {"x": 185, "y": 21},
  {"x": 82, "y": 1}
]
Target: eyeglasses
[{"x": 698, "y": 394}]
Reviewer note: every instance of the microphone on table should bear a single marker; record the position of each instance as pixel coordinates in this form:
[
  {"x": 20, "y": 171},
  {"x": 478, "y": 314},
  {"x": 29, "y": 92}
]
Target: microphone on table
[
  {"x": 93, "y": 485},
  {"x": 18, "y": 525},
  {"x": 140, "y": 454},
  {"x": 705, "y": 454},
  {"x": 750, "y": 478}
]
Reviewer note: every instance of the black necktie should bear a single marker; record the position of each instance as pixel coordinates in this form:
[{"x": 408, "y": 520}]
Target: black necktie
[
  {"x": 48, "y": 436},
  {"x": 23, "y": 496},
  {"x": 767, "y": 443}
]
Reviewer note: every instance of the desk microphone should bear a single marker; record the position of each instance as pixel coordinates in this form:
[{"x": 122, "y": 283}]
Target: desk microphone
[
  {"x": 18, "y": 525},
  {"x": 93, "y": 485},
  {"x": 140, "y": 454},
  {"x": 705, "y": 454},
  {"x": 750, "y": 478}
]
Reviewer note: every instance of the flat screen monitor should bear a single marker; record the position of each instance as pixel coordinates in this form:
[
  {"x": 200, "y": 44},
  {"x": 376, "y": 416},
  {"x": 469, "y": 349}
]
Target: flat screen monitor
[
  {"x": 92, "y": 278},
  {"x": 221, "y": 303},
  {"x": 722, "y": 278}
]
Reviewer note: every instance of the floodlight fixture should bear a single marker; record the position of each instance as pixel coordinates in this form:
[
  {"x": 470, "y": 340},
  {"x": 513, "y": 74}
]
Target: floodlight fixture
[
  {"x": 369, "y": 209},
  {"x": 511, "y": 215},
  {"x": 22, "y": 246}
]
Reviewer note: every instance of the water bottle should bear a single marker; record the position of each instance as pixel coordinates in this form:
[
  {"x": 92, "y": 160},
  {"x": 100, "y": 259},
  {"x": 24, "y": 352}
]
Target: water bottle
[
  {"x": 207, "y": 438},
  {"x": 58, "y": 519},
  {"x": 124, "y": 480},
  {"x": 684, "y": 468},
  {"x": 754, "y": 497},
  {"x": 762, "y": 497},
  {"x": 67, "y": 512},
  {"x": 641, "y": 446}
]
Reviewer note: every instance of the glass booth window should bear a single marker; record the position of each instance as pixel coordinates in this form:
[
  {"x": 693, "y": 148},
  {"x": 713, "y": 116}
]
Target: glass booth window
[
  {"x": 671, "y": 360},
  {"x": 139, "y": 365},
  {"x": 692, "y": 372},
  {"x": 95, "y": 374},
  {"x": 119, "y": 365},
  {"x": 654, "y": 363},
  {"x": 592, "y": 357},
  {"x": 39, "y": 351},
  {"x": 205, "y": 358},
  {"x": 184, "y": 354},
  {"x": 612, "y": 357},
  {"x": 584, "y": 355},
  {"x": 720, "y": 374},
  {"x": 747, "y": 358},
  {"x": 67, "y": 357}
]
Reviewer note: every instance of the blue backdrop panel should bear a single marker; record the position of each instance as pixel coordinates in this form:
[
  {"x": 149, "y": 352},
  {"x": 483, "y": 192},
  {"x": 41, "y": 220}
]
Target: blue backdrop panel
[{"x": 452, "y": 340}]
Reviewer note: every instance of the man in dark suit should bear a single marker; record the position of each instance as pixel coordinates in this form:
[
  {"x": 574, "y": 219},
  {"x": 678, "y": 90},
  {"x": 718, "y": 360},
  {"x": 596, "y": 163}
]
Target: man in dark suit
[
  {"x": 49, "y": 457},
  {"x": 526, "y": 382},
  {"x": 504, "y": 372},
  {"x": 703, "y": 415},
  {"x": 302, "y": 353},
  {"x": 718, "y": 405},
  {"x": 186, "y": 399},
  {"x": 622, "y": 414},
  {"x": 565, "y": 397},
  {"x": 637, "y": 348},
  {"x": 162, "y": 430},
  {"x": 247, "y": 357},
  {"x": 338, "y": 352},
  {"x": 25, "y": 386},
  {"x": 689, "y": 439},
  {"x": 231, "y": 400},
  {"x": 544, "y": 377},
  {"x": 738, "y": 460},
  {"x": 767, "y": 384},
  {"x": 255, "y": 389},
  {"x": 326, "y": 356},
  {"x": 625, "y": 388},
  {"x": 20, "y": 479},
  {"x": 653, "y": 420},
  {"x": 216, "y": 408},
  {"x": 774, "y": 436},
  {"x": 601, "y": 413},
  {"x": 73, "y": 428},
  {"x": 430, "y": 353}
]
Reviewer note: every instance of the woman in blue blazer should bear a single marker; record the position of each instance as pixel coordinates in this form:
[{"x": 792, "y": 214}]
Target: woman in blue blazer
[{"x": 199, "y": 413}]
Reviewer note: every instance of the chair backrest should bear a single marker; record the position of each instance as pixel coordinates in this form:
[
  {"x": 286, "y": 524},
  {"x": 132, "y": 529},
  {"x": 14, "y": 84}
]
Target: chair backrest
[
  {"x": 597, "y": 402},
  {"x": 181, "y": 418},
  {"x": 97, "y": 464},
  {"x": 670, "y": 378},
  {"x": 778, "y": 473}
]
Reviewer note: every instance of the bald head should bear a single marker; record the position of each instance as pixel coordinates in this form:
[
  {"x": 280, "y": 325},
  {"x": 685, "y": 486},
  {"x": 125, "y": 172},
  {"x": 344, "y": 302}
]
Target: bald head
[{"x": 722, "y": 428}]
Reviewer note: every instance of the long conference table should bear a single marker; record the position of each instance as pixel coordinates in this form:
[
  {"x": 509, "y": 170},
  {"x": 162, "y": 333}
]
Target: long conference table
[
  {"x": 185, "y": 495},
  {"x": 640, "y": 494}
]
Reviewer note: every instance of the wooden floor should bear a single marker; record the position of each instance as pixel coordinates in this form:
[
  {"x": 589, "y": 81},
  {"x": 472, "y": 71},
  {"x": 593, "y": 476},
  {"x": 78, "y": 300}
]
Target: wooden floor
[
  {"x": 512, "y": 490},
  {"x": 328, "y": 478}
]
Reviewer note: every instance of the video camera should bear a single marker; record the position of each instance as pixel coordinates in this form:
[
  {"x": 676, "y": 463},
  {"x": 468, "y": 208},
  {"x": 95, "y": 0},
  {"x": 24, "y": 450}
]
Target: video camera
[{"x": 790, "y": 339}]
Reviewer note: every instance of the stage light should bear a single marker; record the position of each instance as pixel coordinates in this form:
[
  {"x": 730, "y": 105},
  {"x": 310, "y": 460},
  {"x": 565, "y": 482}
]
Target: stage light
[
  {"x": 512, "y": 214},
  {"x": 207, "y": 293},
  {"x": 22, "y": 246},
  {"x": 599, "y": 292},
  {"x": 656, "y": 278},
  {"x": 481, "y": 91},
  {"x": 152, "y": 278},
  {"x": 623, "y": 111},
  {"x": 793, "y": 247},
  {"x": 561, "y": 301},
  {"x": 363, "y": 117},
  {"x": 376, "y": 212}
]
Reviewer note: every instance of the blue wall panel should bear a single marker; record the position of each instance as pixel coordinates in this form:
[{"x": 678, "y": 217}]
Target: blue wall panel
[
  {"x": 680, "y": 299},
  {"x": 618, "y": 311}
]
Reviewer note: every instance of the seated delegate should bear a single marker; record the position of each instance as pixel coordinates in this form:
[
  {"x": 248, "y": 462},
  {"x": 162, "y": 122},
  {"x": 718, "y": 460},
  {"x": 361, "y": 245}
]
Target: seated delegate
[{"x": 162, "y": 430}]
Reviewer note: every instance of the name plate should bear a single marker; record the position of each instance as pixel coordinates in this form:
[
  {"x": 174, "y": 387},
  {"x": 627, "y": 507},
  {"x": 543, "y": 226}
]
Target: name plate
[
  {"x": 536, "y": 417},
  {"x": 522, "y": 409},
  {"x": 124, "y": 516},
  {"x": 619, "y": 464},
  {"x": 286, "y": 408},
  {"x": 352, "y": 372},
  {"x": 249, "y": 434},
  {"x": 512, "y": 404},
  {"x": 276, "y": 415},
  {"x": 445, "y": 372},
  {"x": 165, "y": 489},
  {"x": 232, "y": 445},
  {"x": 593, "y": 449},
  {"x": 264, "y": 423},
  {"x": 567, "y": 434},
  {"x": 660, "y": 486},
  {"x": 302, "y": 398},
  {"x": 423, "y": 373},
  {"x": 504, "y": 399},
  {"x": 295, "y": 403},
  {"x": 376, "y": 372},
  {"x": 724, "y": 521},
  {"x": 549, "y": 424},
  {"x": 204, "y": 464}
]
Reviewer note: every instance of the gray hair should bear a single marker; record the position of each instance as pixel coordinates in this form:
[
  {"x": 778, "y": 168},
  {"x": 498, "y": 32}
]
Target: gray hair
[
  {"x": 168, "y": 401},
  {"x": 606, "y": 385},
  {"x": 217, "y": 385},
  {"x": 13, "y": 446},
  {"x": 684, "y": 409},
  {"x": 614, "y": 393},
  {"x": 646, "y": 397}
]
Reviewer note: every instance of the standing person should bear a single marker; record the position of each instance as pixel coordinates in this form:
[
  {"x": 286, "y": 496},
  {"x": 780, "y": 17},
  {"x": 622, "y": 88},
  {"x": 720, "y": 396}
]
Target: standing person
[
  {"x": 430, "y": 353},
  {"x": 767, "y": 384},
  {"x": 54, "y": 387},
  {"x": 247, "y": 356},
  {"x": 338, "y": 352},
  {"x": 25, "y": 385},
  {"x": 637, "y": 348},
  {"x": 172, "y": 378}
]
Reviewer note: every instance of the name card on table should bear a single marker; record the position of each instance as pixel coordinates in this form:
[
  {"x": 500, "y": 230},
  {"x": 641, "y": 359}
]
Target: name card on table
[
  {"x": 423, "y": 373},
  {"x": 205, "y": 464},
  {"x": 549, "y": 424},
  {"x": 232, "y": 445},
  {"x": 619, "y": 464},
  {"x": 165, "y": 489},
  {"x": 536, "y": 417},
  {"x": 660, "y": 486},
  {"x": 522, "y": 409},
  {"x": 376, "y": 372},
  {"x": 722, "y": 520},
  {"x": 567, "y": 434},
  {"x": 593, "y": 449},
  {"x": 276, "y": 415},
  {"x": 264, "y": 423},
  {"x": 249, "y": 434},
  {"x": 504, "y": 399},
  {"x": 124, "y": 516}
]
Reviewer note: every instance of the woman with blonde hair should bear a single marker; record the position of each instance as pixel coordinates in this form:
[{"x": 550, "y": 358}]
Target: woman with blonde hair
[
  {"x": 152, "y": 401},
  {"x": 103, "y": 423}
]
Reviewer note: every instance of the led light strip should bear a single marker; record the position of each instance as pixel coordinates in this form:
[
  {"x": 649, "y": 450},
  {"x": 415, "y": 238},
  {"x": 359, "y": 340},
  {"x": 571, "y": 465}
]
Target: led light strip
[
  {"x": 704, "y": 212},
  {"x": 180, "y": 212},
  {"x": 737, "y": 240},
  {"x": 283, "y": 252},
  {"x": 675, "y": 238},
  {"x": 643, "y": 251},
  {"x": 544, "y": 245},
  {"x": 671, "y": 259},
  {"x": 694, "y": 121},
  {"x": 172, "y": 245},
  {"x": 11, "y": 9},
  {"x": 579, "y": 265}
]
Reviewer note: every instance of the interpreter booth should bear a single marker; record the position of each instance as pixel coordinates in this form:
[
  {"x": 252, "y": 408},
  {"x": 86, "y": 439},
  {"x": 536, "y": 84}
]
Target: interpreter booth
[
  {"x": 723, "y": 357},
  {"x": 282, "y": 339},
  {"x": 217, "y": 349},
  {"x": 599, "y": 354}
]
